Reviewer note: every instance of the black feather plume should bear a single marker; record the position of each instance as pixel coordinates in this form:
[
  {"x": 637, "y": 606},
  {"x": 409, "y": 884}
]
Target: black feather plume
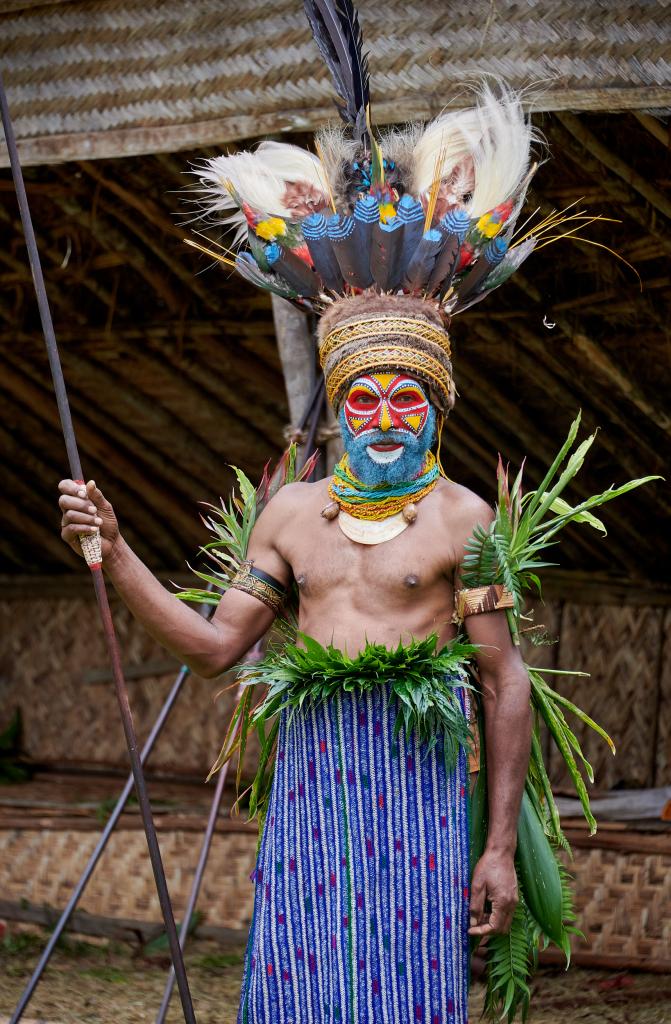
[{"x": 335, "y": 27}]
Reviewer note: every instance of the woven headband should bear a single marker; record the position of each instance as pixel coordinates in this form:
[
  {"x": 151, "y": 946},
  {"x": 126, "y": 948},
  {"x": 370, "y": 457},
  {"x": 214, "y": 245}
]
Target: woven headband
[
  {"x": 394, "y": 326},
  {"x": 373, "y": 357}
]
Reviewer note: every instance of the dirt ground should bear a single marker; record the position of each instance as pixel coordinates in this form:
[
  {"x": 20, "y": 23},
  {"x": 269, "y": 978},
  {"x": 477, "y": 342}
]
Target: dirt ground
[{"x": 105, "y": 983}]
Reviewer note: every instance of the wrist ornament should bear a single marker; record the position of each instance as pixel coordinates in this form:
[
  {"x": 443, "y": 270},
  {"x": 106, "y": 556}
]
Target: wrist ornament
[
  {"x": 260, "y": 585},
  {"x": 475, "y": 600}
]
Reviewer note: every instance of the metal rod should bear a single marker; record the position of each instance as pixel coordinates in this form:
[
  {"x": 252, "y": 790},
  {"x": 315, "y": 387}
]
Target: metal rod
[
  {"x": 195, "y": 887},
  {"x": 313, "y": 423},
  {"x": 317, "y": 389},
  {"x": 96, "y": 571},
  {"x": 110, "y": 825},
  {"x": 252, "y": 655},
  {"x": 206, "y": 611}
]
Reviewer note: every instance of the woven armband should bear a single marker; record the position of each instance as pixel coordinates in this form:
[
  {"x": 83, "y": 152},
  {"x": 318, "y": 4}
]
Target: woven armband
[
  {"x": 259, "y": 584},
  {"x": 476, "y": 600}
]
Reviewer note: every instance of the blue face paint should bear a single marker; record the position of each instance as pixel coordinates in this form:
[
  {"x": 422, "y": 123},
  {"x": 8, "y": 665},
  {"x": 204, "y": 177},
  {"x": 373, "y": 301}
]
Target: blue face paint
[{"x": 406, "y": 467}]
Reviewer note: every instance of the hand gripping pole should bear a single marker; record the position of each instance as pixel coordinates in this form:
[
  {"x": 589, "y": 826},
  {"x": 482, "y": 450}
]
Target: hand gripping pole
[{"x": 94, "y": 560}]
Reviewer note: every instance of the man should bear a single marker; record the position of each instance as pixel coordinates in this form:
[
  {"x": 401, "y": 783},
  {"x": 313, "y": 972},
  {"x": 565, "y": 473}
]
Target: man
[
  {"x": 363, "y": 892},
  {"x": 351, "y": 593}
]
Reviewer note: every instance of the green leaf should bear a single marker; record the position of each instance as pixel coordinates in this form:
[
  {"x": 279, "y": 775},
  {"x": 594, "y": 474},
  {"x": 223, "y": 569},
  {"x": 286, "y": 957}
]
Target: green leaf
[
  {"x": 563, "y": 507},
  {"x": 573, "y": 467},
  {"x": 564, "y": 702},
  {"x": 509, "y": 961},
  {"x": 247, "y": 491},
  {"x": 538, "y": 872},
  {"x": 558, "y": 733},
  {"x": 536, "y": 496}
]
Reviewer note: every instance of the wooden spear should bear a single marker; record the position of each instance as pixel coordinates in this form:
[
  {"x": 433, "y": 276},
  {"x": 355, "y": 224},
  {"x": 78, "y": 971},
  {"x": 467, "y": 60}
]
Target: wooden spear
[{"x": 92, "y": 548}]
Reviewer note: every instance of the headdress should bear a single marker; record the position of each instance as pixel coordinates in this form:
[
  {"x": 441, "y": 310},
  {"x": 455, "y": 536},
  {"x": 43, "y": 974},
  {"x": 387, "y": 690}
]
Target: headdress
[{"x": 386, "y": 235}]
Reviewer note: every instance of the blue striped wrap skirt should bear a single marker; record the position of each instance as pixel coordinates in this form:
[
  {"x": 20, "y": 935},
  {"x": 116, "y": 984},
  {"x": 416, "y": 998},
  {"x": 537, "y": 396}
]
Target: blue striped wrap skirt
[{"x": 361, "y": 898}]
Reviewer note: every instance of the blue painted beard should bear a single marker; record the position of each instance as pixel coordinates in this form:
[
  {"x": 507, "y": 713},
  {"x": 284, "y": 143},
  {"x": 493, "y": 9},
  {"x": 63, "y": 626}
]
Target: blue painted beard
[{"x": 406, "y": 467}]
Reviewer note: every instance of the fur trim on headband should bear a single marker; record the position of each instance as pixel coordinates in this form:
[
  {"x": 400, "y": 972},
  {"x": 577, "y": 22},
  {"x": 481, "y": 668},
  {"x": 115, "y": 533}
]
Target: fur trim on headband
[{"x": 369, "y": 303}]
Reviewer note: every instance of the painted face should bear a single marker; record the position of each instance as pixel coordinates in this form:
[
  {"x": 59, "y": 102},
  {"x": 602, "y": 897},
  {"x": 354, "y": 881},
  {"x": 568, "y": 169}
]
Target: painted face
[
  {"x": 386, "y": 401},
  {"x": 388, "y": 426}
]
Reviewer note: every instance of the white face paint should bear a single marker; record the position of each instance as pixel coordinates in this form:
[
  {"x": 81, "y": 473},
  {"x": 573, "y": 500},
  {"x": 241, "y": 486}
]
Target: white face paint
[{"x": 384, "y": 457}]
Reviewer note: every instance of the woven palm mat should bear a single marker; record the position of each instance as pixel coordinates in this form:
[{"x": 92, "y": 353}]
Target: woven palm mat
[
  {"x": 84, "y": 69},
  {"x": 86, "y": 984}
]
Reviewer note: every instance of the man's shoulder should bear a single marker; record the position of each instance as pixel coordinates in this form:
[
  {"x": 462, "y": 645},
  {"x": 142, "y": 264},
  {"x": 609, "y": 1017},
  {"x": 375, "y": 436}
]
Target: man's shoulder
[
  {"x": 292, "y": 497},
  {"x": 463, "y": 506}
]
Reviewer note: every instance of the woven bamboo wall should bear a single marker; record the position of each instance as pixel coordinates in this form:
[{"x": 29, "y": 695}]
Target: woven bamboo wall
[
  {"x": 623, "y": 896},
  {"x": 624, "y": 903},
  {"x": 47, "y": 647},
  {"x": 623, "y": 650},
  {"x": 43, "y": 866}
]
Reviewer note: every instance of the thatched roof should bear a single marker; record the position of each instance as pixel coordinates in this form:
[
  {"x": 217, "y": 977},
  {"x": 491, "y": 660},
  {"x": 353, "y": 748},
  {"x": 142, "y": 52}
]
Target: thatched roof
[
  {"x": 114, "y": 77},
  {"x": 174, "y": 373}
]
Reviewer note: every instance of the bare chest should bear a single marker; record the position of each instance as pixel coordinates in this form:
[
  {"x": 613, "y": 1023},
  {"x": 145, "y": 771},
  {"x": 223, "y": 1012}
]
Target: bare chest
[{"x": 324, "y": 561}]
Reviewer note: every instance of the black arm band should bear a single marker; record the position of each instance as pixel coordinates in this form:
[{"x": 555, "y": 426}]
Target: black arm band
[{"x": 259, "y": 584}]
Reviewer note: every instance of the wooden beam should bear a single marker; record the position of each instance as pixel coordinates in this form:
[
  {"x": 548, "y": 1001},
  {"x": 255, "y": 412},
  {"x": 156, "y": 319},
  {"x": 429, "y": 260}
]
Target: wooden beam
[
  {"x": 600, "y": 361},
  {"x": 522, "y": 440},
  {"x": 181, "y": 269},
  {"x": 615, "y": 164},
  {"x": 461, "y": 443},
  {"x": 119, "y": 929},
  {"x": 555, "y": 375},
  {"x": 416, "y": 106},
  {"x": 540, "y": 450},
  {"x": 612, "y": 297},
  {"x": 31, "y": 517},
  {"x": 596, "y": 588},
  {"x": 655, "y": 127},
  {"x": 139, "y": 486},
  {"x": 12, "y": 559},
  {"x": 39, "y": 432},
  {"x": 220, "y": 398},
  {"x": 151, "y": 213},
  {"x": 297, "y": 354},
  {"x": 102, "y": 232},
  {"x": 73, "y": 584},
  {"x": 94, "y": 676},
  {"x": 241, "y": 384},
  {"x": 604, "y": 962},
  {"x": 626, "y": 198},
  {"x": 182, "y": 459},
  {"x": 176, "y": 483},
  {"x": 575, "y": 585},
  {"x": 59, "y": 279},
  {"x": 248, "y": 332},
  {"x": 57, "y": 296}
]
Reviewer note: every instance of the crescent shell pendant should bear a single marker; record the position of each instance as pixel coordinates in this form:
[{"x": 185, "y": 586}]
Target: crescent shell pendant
[{"x": 371, "y": 531}]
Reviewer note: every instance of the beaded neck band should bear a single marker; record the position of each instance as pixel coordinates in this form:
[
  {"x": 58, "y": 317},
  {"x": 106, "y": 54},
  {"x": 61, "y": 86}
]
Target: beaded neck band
[{"x": 377, "y": 503}]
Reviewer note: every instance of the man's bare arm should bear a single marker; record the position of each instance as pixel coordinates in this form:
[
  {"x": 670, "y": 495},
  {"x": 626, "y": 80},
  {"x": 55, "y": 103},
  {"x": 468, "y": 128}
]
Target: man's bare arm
[
  {"x": 209, "y": 648},
  {"x": 507, "y": 727}
]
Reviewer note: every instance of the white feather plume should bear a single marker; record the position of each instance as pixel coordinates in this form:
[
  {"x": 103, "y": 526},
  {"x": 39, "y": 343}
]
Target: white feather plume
[
  {"x": 260, "y": 179},
  {"x": 488, "y": 143}
]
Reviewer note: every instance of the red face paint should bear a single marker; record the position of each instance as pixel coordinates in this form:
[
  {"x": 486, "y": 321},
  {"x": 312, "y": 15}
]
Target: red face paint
[{"x": 386, "y": 401}]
